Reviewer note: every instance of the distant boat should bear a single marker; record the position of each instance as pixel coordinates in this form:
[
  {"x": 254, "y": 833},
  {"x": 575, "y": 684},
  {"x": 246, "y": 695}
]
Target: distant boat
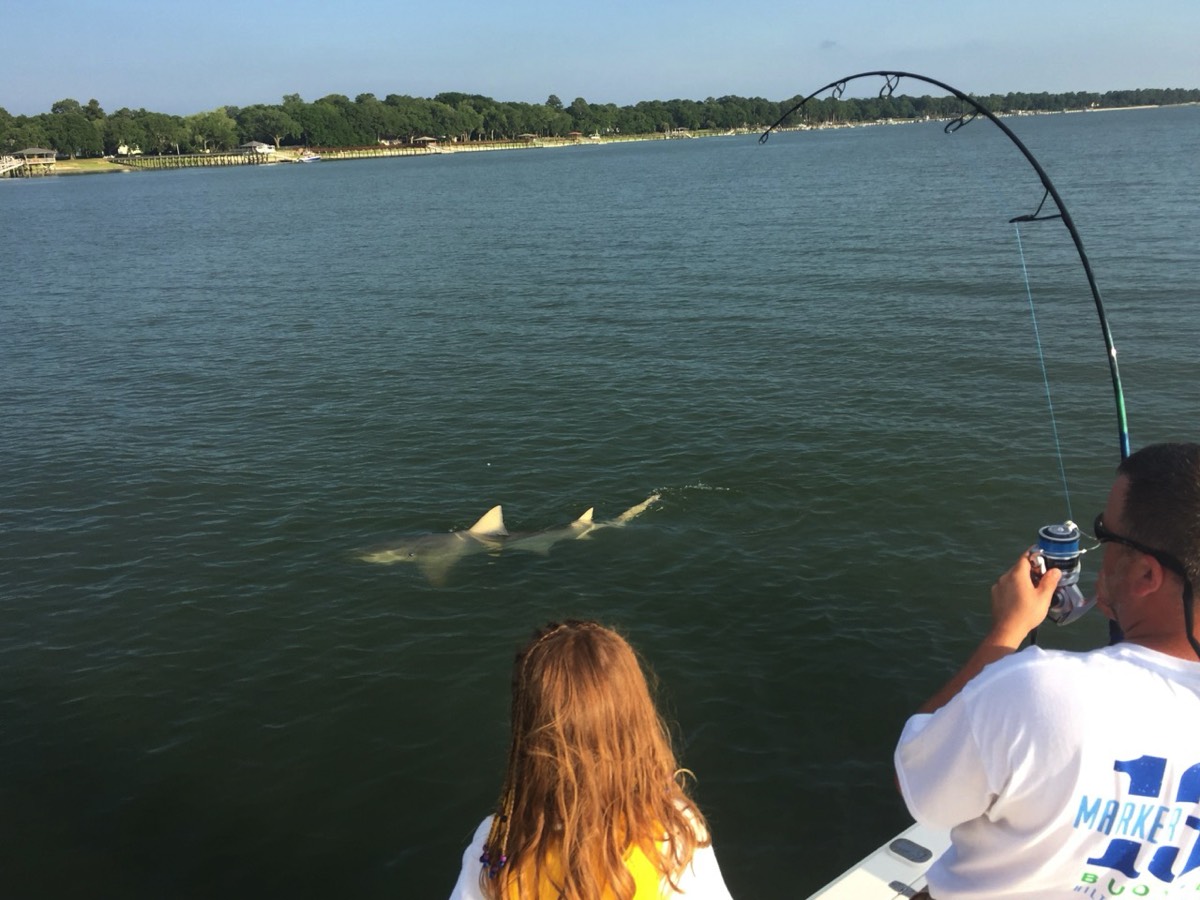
[{"x": 308, "y": 156}]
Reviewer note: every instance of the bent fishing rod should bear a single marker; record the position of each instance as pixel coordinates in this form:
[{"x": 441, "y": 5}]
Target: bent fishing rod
[
  {"x": 1058, "y": 545},
  {"x": 891, "y": 81}
]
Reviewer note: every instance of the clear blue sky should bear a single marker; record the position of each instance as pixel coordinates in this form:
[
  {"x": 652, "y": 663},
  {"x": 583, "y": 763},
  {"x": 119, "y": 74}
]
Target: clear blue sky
[{"x": 184, "y": 57}]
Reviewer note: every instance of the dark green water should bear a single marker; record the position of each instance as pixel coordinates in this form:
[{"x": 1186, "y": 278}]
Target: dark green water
[{"x": 218, "y": 384}]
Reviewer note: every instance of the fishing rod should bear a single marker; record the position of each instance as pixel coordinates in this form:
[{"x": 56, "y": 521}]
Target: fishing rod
[
  {"x": 1058, "y": 544},
  {"x": 891, "y": 81}
]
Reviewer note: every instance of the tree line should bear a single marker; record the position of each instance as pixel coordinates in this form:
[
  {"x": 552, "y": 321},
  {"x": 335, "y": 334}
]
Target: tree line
[{"x": 85, "y": 130}]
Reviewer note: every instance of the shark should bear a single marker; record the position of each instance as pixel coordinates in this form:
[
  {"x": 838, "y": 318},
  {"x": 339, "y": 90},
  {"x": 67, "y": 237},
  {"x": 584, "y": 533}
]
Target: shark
[{"x": 436, "y": 554}]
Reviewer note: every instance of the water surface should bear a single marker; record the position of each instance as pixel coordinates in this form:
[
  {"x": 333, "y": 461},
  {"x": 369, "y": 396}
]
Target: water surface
[{"x": 219, "y": 383}]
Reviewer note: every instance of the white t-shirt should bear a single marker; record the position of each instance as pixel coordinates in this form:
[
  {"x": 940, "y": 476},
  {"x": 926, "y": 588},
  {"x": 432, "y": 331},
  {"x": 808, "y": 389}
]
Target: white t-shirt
[
  {"x": 701, "y": 880},
  {"x": 1063, "y": 775}
]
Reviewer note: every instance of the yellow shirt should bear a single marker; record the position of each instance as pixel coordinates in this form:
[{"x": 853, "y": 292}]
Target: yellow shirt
[{"x": 647, "y": 879}]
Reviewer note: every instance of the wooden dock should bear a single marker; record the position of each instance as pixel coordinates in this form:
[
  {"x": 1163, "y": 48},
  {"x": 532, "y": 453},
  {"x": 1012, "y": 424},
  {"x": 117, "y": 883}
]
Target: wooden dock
[
  {"x": 373, "y": 152},
  {"x": 195, "y": 160},
  {"x": 420, "y": 150}
]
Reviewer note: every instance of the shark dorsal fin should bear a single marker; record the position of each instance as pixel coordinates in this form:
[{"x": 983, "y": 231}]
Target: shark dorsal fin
[
  {"x": 491, "y": 522},
  {"x": 585, "y": 519}
]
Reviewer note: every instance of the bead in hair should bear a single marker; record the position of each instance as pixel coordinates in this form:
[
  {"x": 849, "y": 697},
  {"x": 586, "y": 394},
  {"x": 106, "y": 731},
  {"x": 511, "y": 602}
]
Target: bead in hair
[{"x": 492, "y": 867}]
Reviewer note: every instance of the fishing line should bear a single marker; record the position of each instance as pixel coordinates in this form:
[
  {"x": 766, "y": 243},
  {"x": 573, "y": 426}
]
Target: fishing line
[
  {"x": 977, "y": 162},
  {"x": 1037, "y": 337},
  {"x": 1058, "y": 211}
]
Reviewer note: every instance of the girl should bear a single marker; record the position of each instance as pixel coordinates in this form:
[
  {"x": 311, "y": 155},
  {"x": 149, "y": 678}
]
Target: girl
[{"x": 593, "y": 805}]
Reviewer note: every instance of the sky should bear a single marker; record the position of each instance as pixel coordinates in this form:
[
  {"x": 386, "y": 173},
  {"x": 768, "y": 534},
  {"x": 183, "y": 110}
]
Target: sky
[{"x": 182, "y": 57}]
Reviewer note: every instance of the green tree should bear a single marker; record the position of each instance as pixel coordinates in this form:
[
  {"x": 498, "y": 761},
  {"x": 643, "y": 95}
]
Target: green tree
[
  {"x": 324, "y": 123},
  {"x": 470, "y": 120},
  {"x": 122, "y": 129},
  {"x": 19, "y": 132},
  {"x": 581, "y": 115},
  {"x": 297, "y": 109},
  {"x": 25, "y": 131},
  {"x": 59, "y": 107},
  {"x": 71, "y": 132},
  {"x": 631, "y": 120},
  {"x": 215, "y": 127},
  {"x": 409, "y": 116},
  {"x": 163, "y": 132},
  {"x": 656, "y": 113},
  {"x": 373, "y": 117},
  {"x": 497, "y": 122},
  {"x": 604, "y": 117},
  {"x": 266, "y": 123},
  {"x": 341, "y": 122},
  {"x": 444, "y": 118}
]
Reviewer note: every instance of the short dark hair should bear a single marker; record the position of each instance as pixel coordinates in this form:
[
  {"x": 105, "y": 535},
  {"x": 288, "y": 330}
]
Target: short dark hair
[{"x": 1162, "y": 505}]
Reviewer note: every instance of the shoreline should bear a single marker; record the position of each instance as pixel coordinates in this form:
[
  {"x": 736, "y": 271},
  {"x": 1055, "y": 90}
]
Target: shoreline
[
  {"x": 286, "y": 155},
  {"x": 289, "y": 155}
]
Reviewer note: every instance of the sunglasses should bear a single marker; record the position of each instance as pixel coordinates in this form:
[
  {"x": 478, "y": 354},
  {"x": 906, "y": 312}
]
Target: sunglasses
[{"x": 1103, "y": 535}]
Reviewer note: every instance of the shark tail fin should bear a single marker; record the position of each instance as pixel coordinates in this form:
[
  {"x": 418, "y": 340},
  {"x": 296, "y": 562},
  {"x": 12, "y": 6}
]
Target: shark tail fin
[
  {"x": 491, "y": 522},
  {"x": 634, "y": 511}
]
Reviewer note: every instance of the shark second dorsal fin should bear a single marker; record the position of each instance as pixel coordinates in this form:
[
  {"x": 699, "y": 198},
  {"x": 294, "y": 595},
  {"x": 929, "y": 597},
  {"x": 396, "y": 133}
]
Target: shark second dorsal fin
[
  {"x": 585, "y": 519},
  {"x": 491, "y": 522}
]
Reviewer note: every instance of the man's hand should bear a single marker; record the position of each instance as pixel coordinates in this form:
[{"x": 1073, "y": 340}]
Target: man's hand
[{"x": 1018, "y": 605}]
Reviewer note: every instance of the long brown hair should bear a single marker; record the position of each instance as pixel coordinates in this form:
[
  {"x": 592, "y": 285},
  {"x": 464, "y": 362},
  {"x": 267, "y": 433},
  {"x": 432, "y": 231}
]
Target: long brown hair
[{"x": 591, "y": 774}]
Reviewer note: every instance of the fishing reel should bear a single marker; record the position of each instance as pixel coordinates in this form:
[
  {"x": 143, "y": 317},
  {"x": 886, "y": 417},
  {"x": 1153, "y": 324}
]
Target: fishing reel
[{"x": 1058, "y": 548}]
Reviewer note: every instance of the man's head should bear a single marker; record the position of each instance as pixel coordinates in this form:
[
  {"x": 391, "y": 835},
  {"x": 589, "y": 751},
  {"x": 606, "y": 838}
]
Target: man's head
[
  {"x": 1151, "y": 530},
  {"x": 1162, "y": 501}
]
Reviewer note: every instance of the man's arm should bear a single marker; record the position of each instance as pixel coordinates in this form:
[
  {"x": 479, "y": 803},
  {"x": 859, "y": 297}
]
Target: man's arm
[{"x": 1018, "y": 607}]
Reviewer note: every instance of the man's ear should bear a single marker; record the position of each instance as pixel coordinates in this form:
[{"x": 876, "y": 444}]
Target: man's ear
[{"x": 1148, "y": 575}]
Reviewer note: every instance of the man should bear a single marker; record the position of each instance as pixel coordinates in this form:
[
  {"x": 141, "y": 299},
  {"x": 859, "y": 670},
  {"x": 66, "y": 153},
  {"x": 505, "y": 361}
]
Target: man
[{"x": 1077, "y": 774}]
